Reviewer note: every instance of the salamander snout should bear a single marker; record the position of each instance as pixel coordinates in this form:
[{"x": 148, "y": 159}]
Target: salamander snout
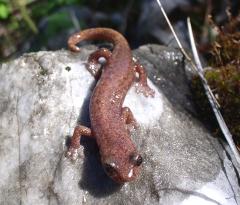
[{"x": 123, "y": 170}]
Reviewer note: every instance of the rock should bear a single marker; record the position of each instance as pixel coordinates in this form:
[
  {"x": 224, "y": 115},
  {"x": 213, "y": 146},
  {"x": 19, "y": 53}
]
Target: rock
[{"x": 44, "y": 94}]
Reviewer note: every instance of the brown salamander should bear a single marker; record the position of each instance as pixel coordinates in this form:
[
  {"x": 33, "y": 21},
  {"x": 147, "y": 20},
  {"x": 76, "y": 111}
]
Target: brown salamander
[{"x": 119, "y": 157}]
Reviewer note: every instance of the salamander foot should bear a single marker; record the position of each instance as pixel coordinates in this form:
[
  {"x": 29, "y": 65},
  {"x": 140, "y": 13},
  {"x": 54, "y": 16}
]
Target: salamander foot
[
  {"x": 72, "y": 153},
  {"x": 145, "y": 90}
]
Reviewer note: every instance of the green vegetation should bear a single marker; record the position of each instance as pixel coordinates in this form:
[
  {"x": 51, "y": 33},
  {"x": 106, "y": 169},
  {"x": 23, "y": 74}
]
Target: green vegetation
[
  {"x": 223, "y": 78},
  {"x": 21, "y": 19},
  {"x": 18, "y": 20},
  {"x": 4, "y": 10}
]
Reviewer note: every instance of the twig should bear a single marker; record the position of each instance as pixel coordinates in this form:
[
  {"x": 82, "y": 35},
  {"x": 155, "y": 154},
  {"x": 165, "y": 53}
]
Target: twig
[
  {"x": 211, "y": 98},
  {"x": 174, "y": 34}
]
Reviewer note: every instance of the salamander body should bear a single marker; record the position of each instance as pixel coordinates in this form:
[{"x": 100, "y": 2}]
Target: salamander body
[{"x": 109, "y": 119}]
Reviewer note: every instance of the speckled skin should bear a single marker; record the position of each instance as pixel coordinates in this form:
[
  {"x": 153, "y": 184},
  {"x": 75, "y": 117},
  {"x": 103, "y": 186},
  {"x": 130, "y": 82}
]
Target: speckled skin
[{"x": 108, "y": 119}]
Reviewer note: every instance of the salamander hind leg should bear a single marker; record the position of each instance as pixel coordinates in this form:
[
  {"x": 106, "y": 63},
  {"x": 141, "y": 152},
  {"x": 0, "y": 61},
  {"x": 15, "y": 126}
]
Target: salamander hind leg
[
  {"x": 142, "y": 86},
  {"x": 96, "y": 58},
  {"x": 79, "y": 130},
  {"x": 128, "y": 117}
]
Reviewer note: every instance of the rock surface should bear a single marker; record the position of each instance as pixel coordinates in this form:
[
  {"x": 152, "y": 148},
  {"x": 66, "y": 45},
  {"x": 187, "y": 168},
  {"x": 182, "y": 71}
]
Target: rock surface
[{"x": 44, "y": 94}]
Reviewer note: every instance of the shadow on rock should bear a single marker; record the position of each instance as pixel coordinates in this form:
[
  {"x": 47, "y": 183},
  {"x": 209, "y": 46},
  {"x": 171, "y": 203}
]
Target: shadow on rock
[{"x": 94, "y": 179}]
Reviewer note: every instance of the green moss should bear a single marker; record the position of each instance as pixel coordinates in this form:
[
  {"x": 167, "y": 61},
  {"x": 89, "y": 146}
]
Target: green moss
[{"x": 225, "y": 84}]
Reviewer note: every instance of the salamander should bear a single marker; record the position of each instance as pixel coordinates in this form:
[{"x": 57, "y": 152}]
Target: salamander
[{"x": 109, "y": 119}]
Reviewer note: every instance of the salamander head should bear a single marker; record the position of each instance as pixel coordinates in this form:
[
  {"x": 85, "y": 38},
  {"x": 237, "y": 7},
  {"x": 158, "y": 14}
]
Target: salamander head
[{"x": 123, "y": 168}]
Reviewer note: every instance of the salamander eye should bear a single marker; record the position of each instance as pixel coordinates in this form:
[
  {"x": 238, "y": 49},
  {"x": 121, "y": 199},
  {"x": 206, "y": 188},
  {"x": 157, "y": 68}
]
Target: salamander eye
[
  {"x": 136, "y": 159},
  {"x": 110, "y": 168}
]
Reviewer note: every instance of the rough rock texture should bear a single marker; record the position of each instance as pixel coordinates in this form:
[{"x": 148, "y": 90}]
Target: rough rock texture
[{"x": 44, "y": 94}]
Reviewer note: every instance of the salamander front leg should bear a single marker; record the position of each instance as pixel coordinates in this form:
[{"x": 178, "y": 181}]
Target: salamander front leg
[
  {"x": 128, "y": 117},
  {"x": 142, "y": 86},
  {"x": 79, "y": 130},
  {"x": 95, "y": 59}
]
